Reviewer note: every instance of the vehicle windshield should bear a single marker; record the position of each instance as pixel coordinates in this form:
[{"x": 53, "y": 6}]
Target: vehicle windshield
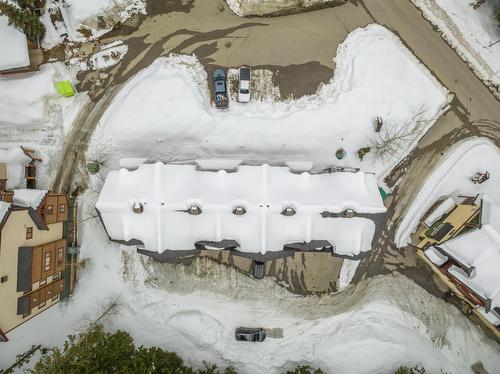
[{"x": 244, "y": 91}]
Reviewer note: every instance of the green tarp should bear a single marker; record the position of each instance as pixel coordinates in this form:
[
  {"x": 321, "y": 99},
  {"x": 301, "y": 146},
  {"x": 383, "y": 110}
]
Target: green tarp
[{"x": 65, "y": 88}]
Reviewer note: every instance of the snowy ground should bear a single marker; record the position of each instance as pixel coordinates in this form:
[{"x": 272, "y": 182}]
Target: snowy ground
[
  {"x": 387, "y": 321},
  {"x": 453, "y": 177},
  {"x": 375, "y": 75},
  {"x": 34, "y": 115},
  {"x": 474, "y": 33},
  {"x": 77, "y": 20}
]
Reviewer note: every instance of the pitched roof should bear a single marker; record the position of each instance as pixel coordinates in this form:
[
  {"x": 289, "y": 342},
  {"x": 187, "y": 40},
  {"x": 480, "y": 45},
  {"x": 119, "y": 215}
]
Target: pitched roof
[
  {"x": 166, "y": 192},
  {"x": 29, "y": 198}
]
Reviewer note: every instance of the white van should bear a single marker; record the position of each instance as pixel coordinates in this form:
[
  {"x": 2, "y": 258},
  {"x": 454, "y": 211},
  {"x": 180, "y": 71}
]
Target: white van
[{"x": 244, "y": 88}]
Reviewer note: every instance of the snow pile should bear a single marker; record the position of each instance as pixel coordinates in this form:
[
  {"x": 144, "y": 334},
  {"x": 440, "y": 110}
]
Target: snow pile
[
  {"x": 266, "y": 7},
  {"x": 386, "y": 321},
  {"x": 15, "y": 160},
  {"x": 109, "y": 55},
  {"x": 78, "y": 20},
  {"x": 29, "y": 198},
  {"x": 453, "y": 177},
  {"x": 33, "y": 114},
  {"x": 168, "y": 102},
  {"x": 167, "y": 192},
  {"x": 14, "y": 46},
  {"x": 473, "y": 33}
]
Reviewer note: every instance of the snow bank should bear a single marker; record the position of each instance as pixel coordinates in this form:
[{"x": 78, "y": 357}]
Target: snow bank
[
  {"x": 79, "y": 20},
  {"x": 266, "y": 7},
  {"x": 166, "y": 192},
  {"x": 375, "y": 76},
  {"x": 452, "y": 177},
  {"x": 371, "y": 328},
  {"x": 471, "y": 32},
  {"x": 16, "y": 161},
  {"x": 14, "y": 46}
]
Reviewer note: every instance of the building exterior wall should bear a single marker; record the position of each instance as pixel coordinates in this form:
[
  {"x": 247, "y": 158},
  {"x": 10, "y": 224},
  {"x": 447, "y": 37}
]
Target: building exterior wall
[{"x": 12, "y": 236}]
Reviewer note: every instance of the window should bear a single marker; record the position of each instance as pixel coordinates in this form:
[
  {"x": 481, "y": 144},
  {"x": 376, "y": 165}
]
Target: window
[
  {"x": 55, "y": 297},
  {"x": 60, "y": 256},
  {"x": 50, "y": 209},
  {"x": 43, "y": 282},
  {"x": 62, "y": 208},
  {"x": 29, "y": 232},
  {"x": 46, "y": 262},
  {"x": 4, "y": 279},
  {"x": 56, "y": 276}
]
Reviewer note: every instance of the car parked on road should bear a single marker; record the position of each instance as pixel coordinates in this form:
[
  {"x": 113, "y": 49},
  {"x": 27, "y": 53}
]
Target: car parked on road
[
  {"x": 250, "y": 334},
  {"x": 220, "y": 88},
  {"x": 244, "y": 85}
]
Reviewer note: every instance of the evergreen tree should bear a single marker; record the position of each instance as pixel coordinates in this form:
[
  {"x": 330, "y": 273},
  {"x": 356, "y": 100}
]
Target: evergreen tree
[{"x": 23, "y": 19}]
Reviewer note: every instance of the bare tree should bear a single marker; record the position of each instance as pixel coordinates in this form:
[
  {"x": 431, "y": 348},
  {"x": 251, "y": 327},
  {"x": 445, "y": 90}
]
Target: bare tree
[{"x": 394, "y": 138}]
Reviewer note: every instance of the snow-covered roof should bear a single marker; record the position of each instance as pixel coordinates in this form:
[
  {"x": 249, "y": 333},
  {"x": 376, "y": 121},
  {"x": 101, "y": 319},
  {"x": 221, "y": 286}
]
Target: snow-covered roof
[
  {"x": 29, "y": 198},
  {"x": 435, "y": 256},
  {"x": 479, "y": 249},
  {"x": 15, "y": 160},
  {"x": 443, "y": 208},
  {"x": 14, "y": 46},
  {"x": 166, "y": 192},
  {"x": 4, "y": 209}
]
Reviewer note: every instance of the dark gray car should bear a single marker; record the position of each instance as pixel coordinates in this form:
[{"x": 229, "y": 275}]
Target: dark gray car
[
  {"x": 250, "y": 334},
  {"x": 220, "y": 88}
]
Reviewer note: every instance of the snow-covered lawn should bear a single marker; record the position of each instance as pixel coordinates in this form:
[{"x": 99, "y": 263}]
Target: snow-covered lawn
[
  {"x": 451, "y": 177},
  {"x": 194, "y": 310},
  {"x": 473, "y": 33},
  {"x": 79, "y": 20},
  {"x": 167, "y": 108},
  {"x": 33, "y": 114}
]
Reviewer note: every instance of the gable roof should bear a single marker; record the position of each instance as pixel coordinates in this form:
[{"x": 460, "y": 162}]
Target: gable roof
[{"x": 29, "y": 198}]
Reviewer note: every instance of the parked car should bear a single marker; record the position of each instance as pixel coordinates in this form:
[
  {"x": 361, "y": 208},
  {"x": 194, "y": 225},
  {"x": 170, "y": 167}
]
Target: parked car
[
  {"x": 244, "y": 87},
  {"x": 250, "y": 334},
  {"x": 258, "y": 269},
  {"x": 220, "y": 88}
]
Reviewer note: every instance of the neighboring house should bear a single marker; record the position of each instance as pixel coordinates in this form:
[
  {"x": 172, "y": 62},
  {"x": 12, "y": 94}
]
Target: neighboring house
[
  {"x": 18, "y": 54},
  {"x": 446, "y": 219},
  {"x": 14, "y": 44},
  {"x": 470, "y": 259},
  {"x": 32, "y": 254},
  {"x": 259, "y": 211}
]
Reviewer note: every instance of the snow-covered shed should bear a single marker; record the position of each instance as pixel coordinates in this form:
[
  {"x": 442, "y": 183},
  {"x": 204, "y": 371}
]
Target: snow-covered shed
[
  {"x": 14, "y": 45},
  {"x": 261, "y": 208}
]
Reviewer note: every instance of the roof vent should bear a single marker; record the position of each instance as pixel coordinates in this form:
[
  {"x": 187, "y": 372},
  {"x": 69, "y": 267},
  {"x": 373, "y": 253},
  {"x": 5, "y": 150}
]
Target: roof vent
[
  {"x": 194, "y": 210},
  {"x": 288, "y": 212},
  {"x": 138, "y": 207},
  {"x": 239, "y": 211}
]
